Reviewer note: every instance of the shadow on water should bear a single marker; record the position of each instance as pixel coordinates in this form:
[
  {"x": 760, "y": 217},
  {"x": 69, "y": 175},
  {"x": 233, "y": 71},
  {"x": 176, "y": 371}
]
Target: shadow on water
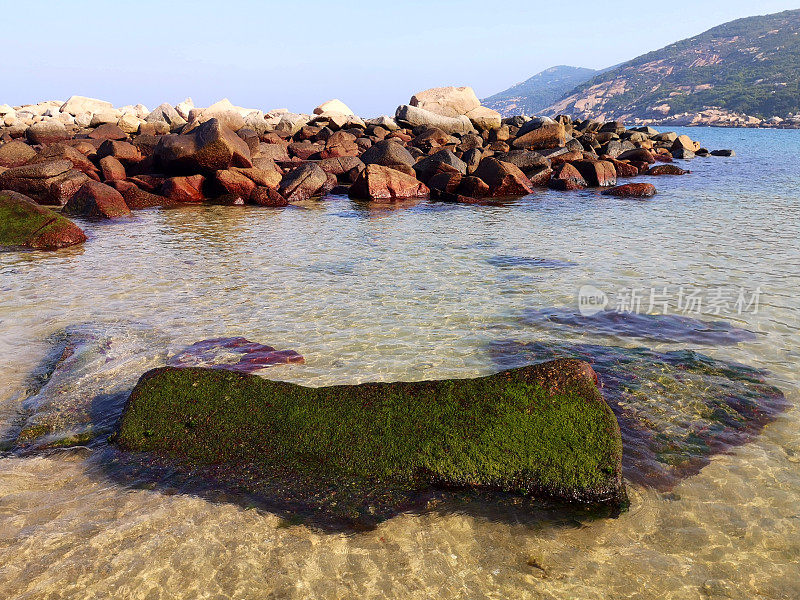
[
  {"x": 676, "y": 409},
  {"x": 656, "y": 328}
]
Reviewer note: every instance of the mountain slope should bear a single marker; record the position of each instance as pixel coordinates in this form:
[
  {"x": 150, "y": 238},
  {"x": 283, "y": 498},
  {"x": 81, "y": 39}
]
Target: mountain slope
[
  {"x": 750, "y": 66},
  {"x": 538, "y": 92}
]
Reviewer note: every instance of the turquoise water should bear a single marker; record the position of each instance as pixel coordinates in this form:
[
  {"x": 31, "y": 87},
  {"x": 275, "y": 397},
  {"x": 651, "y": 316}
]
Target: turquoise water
[{"x": 415, "y": 291}]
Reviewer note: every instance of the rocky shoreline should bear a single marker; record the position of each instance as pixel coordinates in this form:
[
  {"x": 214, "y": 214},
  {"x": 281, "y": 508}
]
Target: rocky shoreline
[{"x": 86, "y": 158}]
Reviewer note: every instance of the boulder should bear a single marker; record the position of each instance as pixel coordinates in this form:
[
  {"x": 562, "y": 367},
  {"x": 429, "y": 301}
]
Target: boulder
[
  {"x": 684, "y": 142},
  {"x": 382, "y": 183},
  {"x": 485, "y": 118},
  {"x": 526, "y": 160},
  {"x": 267, "y": 176},
  {"x": 112, "y": 169},
  {"x": 97, "y": 201},
  {"x": 428, "y": 167},
  {"x": 166, "y": 113},
  {"x": 417, "y": 117},
  {"x": 184, "y": 189},
  {"x": 78, "y": 105},
  {"x": 447, "y": 101},
  {"x": 25, "y": 223},
  {"x": 503, "y": 179},
  {"x": 548, "y": 135},
  {"x": 125, "y": 152},
  {"x": 46, "y": 132},
  {"x": 15, "y": 153},
  {"x": 209, "y": 148},
  {"x": 340, "y": 143},
  {"x": 107, "y": 131},
  {"x": 632, "y": 190},
  {"x": 387, "y": 153},
  {"x": 567, "y": 178},
  {"x": 183, "y": 108},
  {"x": 235, "y": 184},
  {"x": 303, "y": 182},
  {"x": 51, "y": 182},
  {"x": 638, "y": 155},
  {"x": 334, "y": 106},
  {"x": 543, "y": 430},
  {"x": 597, "y": 173},
  {"x": 267, "y": 196},
  {"x": 728, "y": 153},
  {"x": 666, "y": 170}
]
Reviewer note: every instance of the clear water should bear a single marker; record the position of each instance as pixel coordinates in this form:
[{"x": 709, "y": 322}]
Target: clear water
[{"x": 419, "y": 290}]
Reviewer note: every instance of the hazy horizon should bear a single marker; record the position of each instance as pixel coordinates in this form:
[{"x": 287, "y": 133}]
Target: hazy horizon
[{"x": 273, "y": 55}]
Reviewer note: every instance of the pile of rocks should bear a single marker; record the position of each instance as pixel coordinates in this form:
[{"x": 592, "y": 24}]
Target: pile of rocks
[{"x": 91, "y": 159}]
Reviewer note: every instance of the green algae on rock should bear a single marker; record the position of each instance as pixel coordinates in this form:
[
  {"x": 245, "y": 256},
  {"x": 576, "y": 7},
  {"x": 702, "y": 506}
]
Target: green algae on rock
[
  {"x": 541, "y": 430},
  {"x": 25, "y": 223}
]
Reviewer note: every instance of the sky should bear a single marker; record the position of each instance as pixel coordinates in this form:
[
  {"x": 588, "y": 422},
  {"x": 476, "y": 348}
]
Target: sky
[{"x": 373, "y": 55}]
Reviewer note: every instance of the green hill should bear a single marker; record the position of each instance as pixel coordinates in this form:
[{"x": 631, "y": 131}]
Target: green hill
[
  {"x": 750, "y": 66},
  {"x": 540, "y": 91}
]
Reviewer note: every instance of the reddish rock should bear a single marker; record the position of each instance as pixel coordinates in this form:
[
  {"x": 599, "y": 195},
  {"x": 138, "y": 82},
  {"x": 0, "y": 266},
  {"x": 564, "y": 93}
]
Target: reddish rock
[
  {"x": 632, "y": 190},
  {"x": 597, "y": 173},
  {"x": 638, "y": 155},
  {"x": 542, "y": 178},
  {"x": 377, "y": 182},
  {"x": 267, "y": 196},
  {"x": 432, "y": 140},
  {"x": 273, "y": 151},
  {"x": 218, "y": 354},
  {"x": 624, "y": 169},
  {"x": 138, "y": 199},
  {"x": 567, "y": 178},
  {"x": 302, "y": 182},
  {"x": 149, "y": 183},
  {"x": 549, "y": 135},
  {"x": 107, "y": 131},
  {"x": 184, "y": 189},
  {"x": 304, "y": 150},
  {"x": 46, "y": 132},
  {"x": 388, "y": 153},
  {"x": 15, "y": 153},
  {"x": 473, "y": 187},
  {"x": 503, "y": 179},
  {"x": 124, "y": 152},
  {"x": 112, "y": 169},
  {"x": 51, "y": 182},
  {"x": 268, "y": 177},
  {"x": 666, "y": 170},
  {"x": 345, "y": 168},
  {"x": 97, "y": 201},
  {"x": 235, "y": 184},
  {"x": 340, "y": 143}
]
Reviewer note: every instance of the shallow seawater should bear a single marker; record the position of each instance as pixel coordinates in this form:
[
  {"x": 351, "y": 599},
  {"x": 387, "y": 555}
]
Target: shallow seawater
[{"x": 419, "y": 291}]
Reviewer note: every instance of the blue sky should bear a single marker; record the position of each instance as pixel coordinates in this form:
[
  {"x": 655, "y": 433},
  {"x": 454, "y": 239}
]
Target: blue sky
[{"x": 372, "y": 55}]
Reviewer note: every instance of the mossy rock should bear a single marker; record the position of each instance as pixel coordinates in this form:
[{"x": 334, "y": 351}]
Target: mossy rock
[
  {"x": 542, "y": 430},
  {"x": 23, "y": 223}
]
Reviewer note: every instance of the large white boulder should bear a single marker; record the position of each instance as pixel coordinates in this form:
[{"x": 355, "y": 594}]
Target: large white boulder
[
  {"x": 484, "y": 117},
  {"x": 77, "y": 105},
  {"x": 446, "y": 101},
  {"x": 334, "y": 106}
]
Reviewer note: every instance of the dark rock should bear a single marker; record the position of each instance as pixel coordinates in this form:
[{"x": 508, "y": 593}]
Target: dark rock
[
  {"x": 184, "y": 189},
  {"x": 209, "y": 148},
  {"x": 428, "y": 167},
  {"x": 638, "y": 154},
  {"x": 526, "y": 160},
  {"x": 112, "y": 169},
  {"x": 550, "y": 135},
  {"x": 378, "y": 182},
  {"x": 503, "y": 179},
  {"x": 124, "y": 152},
  {"x": 52, "y": 182},
  {"x": 567, "y": 178},
  {"x": 107, "y": 131},
  {"x": 597, "y": 173},
  {"x": 632, "y": 190},
  {"x": 267, "y": 196},
  {"x": 302, "y": 182},
  {"x": 666, "y": 170},
  {"x": 46, "y": 132},
  {"x": 387, "y": 153},
  {"x": 235, "y": 183},
  {"x": 723, "y": 153},
  {"x": 97, "y": 201}
]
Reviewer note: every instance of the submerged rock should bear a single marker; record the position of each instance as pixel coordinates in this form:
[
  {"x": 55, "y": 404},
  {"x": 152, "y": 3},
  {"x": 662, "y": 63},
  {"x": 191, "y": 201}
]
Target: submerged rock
[
  {"x": 675, "y": 409},
  {"x": 541, "y": 430},
  {"x": 25, "y": 223},
  {"x": 233, "y": 354},
  {"x": 632, "y": 190}
]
